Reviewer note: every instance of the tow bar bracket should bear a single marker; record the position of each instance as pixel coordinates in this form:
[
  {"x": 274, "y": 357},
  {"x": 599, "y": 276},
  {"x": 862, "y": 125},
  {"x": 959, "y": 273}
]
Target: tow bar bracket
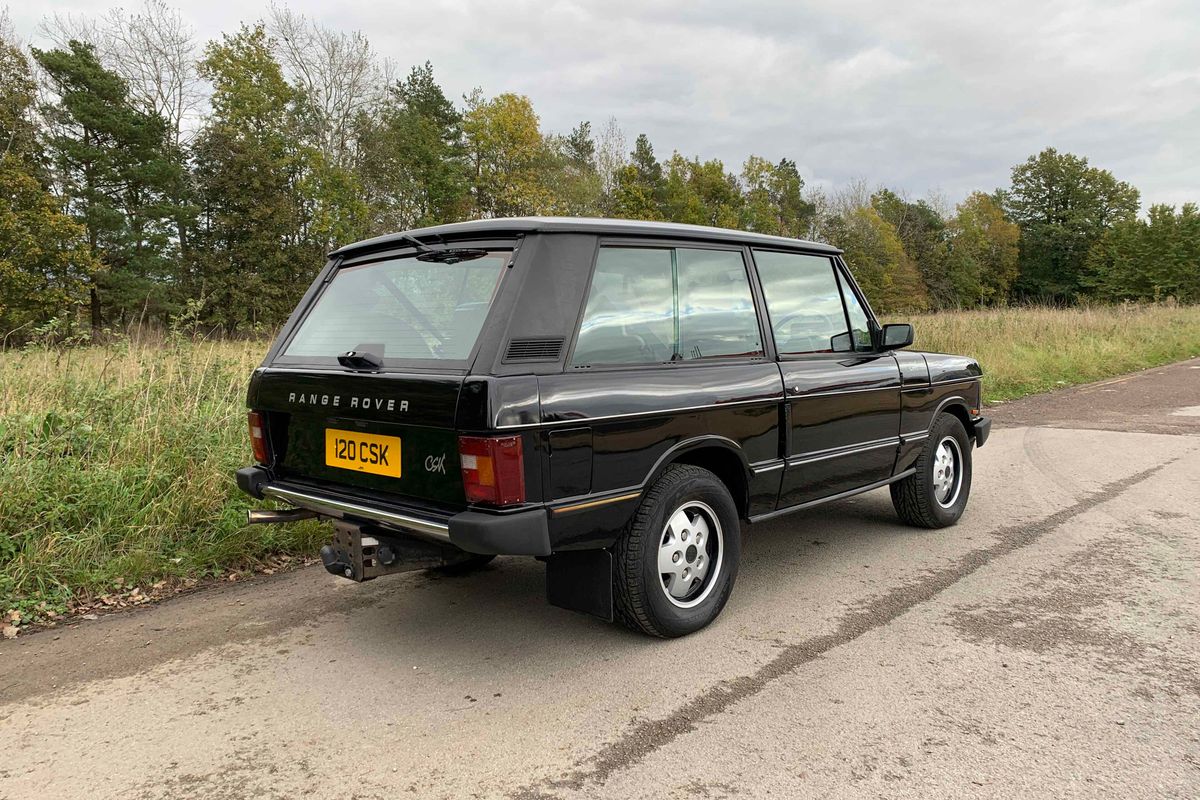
[{"x": 363, "y": 552}]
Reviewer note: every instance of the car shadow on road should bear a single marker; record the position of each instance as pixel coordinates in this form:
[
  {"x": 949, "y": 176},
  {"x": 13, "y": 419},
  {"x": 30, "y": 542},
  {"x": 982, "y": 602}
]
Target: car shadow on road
[{"x": 502, "y": 609}]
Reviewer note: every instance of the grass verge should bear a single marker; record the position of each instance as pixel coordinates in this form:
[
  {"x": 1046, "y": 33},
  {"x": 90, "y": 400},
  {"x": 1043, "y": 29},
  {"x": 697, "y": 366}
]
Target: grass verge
[
  {"x": 1030, "y": 350},
  {"x": 116, "y": 463},
  {"x": 116, "y": 469}
]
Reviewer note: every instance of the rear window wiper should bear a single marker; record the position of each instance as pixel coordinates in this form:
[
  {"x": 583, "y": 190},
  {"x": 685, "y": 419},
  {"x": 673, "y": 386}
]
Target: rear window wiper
[
  {"x": 444, "y": 256},
  {"x": 360, "y": 359}
]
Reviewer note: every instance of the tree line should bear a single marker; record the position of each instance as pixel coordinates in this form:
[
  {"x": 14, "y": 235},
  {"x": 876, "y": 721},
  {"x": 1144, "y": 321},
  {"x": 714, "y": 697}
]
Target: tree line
[{"x": 149, "y": 178}]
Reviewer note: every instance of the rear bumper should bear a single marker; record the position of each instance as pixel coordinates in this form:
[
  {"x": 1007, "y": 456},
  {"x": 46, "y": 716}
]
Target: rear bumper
[
  {"x": 981, "y": 428},
  {"x": 519, "y": 533}
]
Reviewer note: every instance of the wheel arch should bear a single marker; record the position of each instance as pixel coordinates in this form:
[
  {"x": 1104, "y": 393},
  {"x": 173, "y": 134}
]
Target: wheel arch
[
  {"x": 957, "y": 406},
  {"x": 721, "y": 456}
]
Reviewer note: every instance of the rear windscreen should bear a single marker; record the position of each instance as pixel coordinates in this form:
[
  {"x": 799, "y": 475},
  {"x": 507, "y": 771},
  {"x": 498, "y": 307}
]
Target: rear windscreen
[{"x": 400, "y": 310}]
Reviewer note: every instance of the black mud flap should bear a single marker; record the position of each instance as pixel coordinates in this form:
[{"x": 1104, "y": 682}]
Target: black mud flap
[
  {"x": 363, "y": 552},
  {"x": 581, "y": 580}
]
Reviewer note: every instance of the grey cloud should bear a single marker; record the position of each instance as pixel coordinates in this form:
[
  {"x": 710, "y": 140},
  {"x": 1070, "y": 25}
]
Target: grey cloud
[{"x": 942, "y": 95}]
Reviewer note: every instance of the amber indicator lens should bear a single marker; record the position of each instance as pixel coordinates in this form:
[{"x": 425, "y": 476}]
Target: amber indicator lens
[
  {"x": 493, "y": 469},
  {"x": 258, "y": 436}
]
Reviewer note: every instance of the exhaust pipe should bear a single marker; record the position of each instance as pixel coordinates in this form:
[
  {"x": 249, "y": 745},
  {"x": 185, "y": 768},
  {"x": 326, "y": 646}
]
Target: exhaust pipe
[{"x": 264, "y": 516}]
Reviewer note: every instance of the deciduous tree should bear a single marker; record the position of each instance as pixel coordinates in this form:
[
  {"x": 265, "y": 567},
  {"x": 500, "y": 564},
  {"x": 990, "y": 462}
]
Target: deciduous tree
[
  {"x": 774, "y": 198},
  {"x": 508, "y": 156},
  {"x": 701, "y": 193},
  {"x": 1063, "y": 207},
  {"x": 922, "y": 232},
  {"x": 251, "y": 266},
  {"x": 981, "y": 262},
  {"x": 877, "y": 258}
]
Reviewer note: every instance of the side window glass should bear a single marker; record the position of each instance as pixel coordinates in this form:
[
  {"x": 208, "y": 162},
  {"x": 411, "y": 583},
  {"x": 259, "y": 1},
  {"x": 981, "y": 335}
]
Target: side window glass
[
  {"x": 804, "y": 302},
  {"x": 716, "y": 309},
  {"x": 649, "y": 306},
  {"x": 860, "y": 329},
  {"x": 630, "y": 313}
]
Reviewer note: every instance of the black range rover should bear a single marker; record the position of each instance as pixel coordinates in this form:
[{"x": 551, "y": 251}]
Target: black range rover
[{"x": 615, "y": 398}]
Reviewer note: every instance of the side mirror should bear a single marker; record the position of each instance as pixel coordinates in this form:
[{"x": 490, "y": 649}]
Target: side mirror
[{"x": 896, "y": 336}]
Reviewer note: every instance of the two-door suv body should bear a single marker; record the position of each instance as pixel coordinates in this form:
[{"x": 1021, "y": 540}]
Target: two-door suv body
[{"x": 613, "y": 397}]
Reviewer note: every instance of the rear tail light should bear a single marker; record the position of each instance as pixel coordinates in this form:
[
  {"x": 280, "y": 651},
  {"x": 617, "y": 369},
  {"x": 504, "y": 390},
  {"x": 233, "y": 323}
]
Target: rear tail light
[
  {"x": 493, "y": 469},
  {"x": 258, "y": 436}
]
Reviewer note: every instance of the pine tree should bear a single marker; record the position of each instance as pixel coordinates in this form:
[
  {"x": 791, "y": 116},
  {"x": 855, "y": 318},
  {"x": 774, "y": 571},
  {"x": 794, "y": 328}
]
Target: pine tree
[
  {"x": 413, "y": 159},
  {"x": 121, "y": 177}
]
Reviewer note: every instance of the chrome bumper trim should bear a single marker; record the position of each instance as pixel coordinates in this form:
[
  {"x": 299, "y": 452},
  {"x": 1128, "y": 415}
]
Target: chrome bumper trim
[{"x": 327, "y": 506}]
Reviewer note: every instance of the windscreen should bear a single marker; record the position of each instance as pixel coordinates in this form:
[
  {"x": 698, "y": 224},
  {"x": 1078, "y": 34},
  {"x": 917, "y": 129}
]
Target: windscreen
[{"x": 401, "y": 310}]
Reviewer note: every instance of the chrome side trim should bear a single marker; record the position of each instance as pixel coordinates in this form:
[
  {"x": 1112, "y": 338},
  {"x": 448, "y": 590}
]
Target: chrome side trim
[
  {"x": 593, "y": 503},
  {"x": 797, "y": 395},
  {"x": 914, "y": 436},
  {"x": 330, "y": 507},
  {"x": 820, "y": 500},
  {"x": 823, "y": 455},
  {"x": 759, "y": 469},
  {"x": 946, "y": 382},
  {"x": 591, "y": 420}
]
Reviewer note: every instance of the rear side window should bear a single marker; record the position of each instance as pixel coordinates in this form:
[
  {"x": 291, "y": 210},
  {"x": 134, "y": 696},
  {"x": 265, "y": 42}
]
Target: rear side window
[
  {"x": 401, "y": 310},
  {"x": 630, "y": 316},
  {"x": 653, "y": 305},
  {"x": 804, "y": 302}
]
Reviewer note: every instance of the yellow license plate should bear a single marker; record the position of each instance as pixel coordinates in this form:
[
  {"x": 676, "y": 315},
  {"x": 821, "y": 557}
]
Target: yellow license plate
[{"x": 363, "y": 452}]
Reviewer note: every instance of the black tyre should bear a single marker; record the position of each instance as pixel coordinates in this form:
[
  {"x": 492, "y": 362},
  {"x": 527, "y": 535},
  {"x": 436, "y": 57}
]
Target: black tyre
[
  {"x": 470, "y": 564},
  {"x": 936, "y": 494},
  {"x": 676, "y": 561}
]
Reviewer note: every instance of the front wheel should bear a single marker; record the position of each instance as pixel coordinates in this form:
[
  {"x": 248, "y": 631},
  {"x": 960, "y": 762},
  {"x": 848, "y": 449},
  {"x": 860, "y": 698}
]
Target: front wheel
[
  {"x": 676, "y": 561},
  {"x": 935, "y": 496}
]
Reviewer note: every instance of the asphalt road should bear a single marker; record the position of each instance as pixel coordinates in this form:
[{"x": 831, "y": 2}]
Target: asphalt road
[{"x": 1048, "y": 645}]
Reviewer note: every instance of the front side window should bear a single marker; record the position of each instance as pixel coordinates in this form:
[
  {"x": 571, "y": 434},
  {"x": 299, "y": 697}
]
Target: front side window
[
  {"x": 860, "y": 329},
  {"x": 804, "y": 302},
  {"x": 401, "y": 309},
  {"x": 654, "y": 305}
]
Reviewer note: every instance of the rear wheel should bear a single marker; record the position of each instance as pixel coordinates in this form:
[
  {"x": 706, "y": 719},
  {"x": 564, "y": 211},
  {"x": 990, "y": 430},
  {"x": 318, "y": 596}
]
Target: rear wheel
[
  {"x": 676, "y": 561},
  {"x": 935, "y": 496}
]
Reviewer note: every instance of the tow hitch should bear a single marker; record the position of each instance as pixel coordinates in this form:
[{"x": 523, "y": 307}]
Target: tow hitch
[{"x": 363, "y": 552}]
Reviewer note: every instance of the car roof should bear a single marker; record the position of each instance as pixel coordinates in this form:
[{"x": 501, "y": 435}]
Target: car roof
[{"x": 615, "y": 227}]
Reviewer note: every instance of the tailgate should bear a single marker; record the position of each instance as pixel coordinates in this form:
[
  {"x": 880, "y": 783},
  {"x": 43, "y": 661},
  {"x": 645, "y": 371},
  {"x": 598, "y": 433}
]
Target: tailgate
[{"x": 390, "y": 433}]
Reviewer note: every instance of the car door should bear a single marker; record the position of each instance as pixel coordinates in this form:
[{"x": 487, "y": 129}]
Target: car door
[
  {"x": 669, "y": 352},
  {"x": 842, "y": 397}
]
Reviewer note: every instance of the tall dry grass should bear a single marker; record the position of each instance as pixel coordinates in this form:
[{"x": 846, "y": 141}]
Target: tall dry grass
[
  {"x": 118, "y": 463},
  {"x": 1029, "y": 350}
]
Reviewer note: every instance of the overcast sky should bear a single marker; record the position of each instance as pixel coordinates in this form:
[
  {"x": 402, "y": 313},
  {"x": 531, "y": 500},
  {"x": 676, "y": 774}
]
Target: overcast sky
[{"x": 940, "y": 95}]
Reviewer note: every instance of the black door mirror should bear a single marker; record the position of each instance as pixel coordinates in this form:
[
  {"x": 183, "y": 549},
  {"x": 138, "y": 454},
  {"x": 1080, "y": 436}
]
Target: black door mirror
[{"x": 896, "y": 336}]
